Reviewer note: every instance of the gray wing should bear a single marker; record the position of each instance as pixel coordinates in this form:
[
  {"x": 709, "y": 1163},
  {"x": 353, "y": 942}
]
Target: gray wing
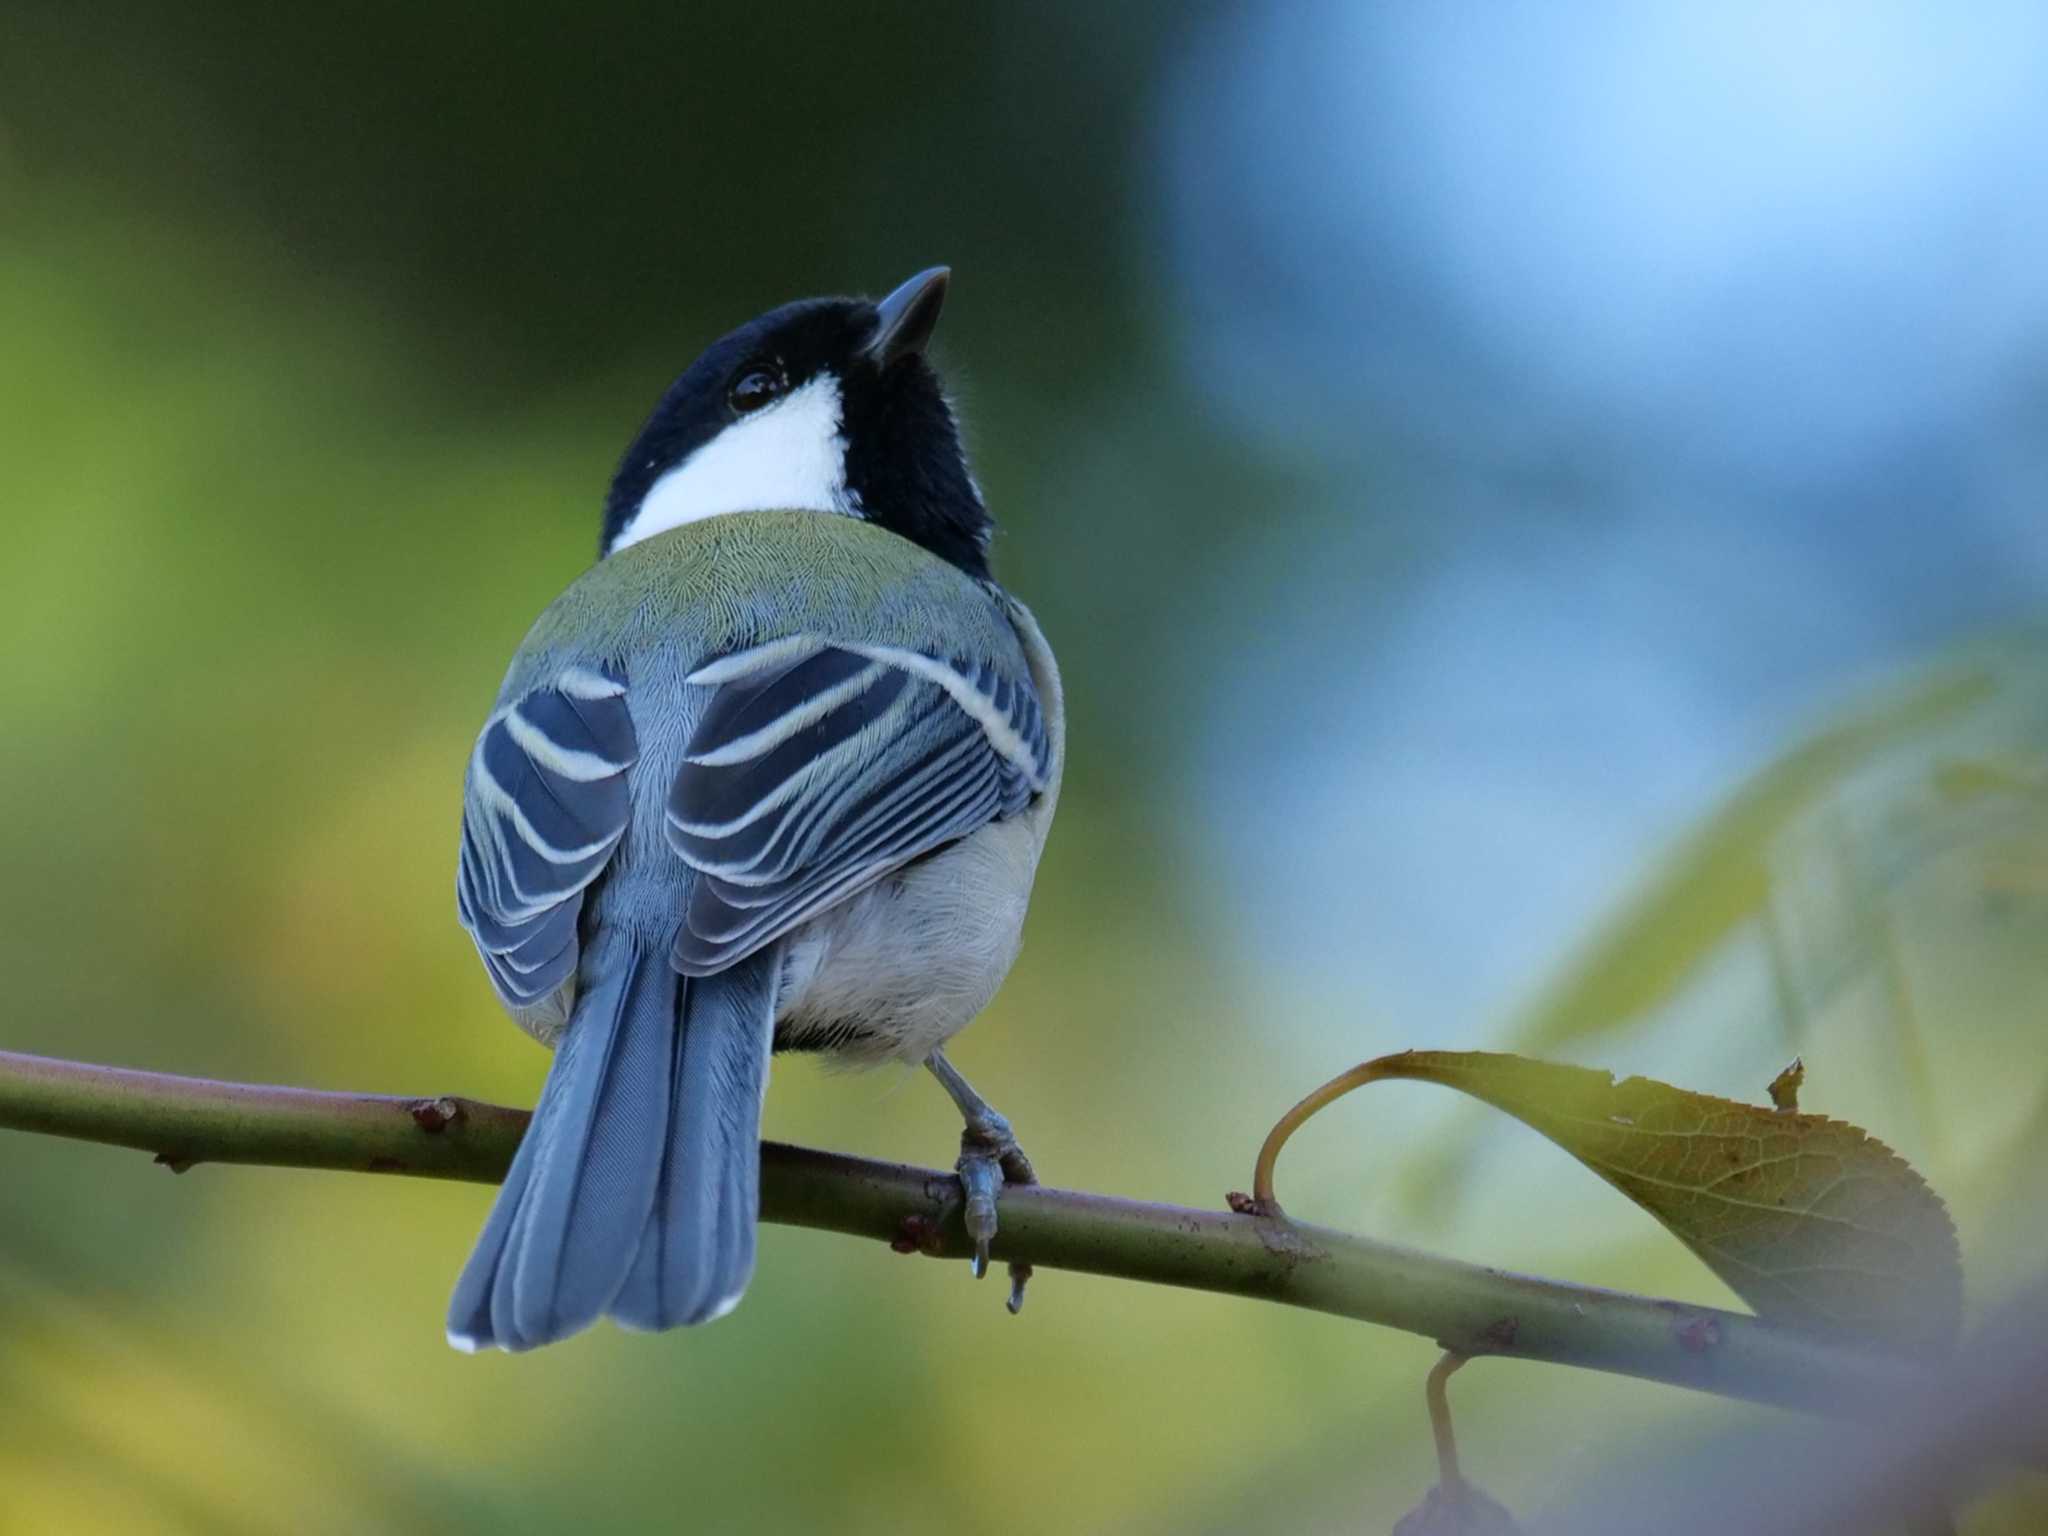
[
  {"x": 544, "y": 806},
  {"x": 816, "y": 769}
]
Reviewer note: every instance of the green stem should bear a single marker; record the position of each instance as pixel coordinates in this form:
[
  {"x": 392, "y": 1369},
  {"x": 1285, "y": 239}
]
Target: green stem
[
  {"x": 1465, "y": 1308},
  {"x": 1436, "y": 1395},
  {"x": 1284, "y": 1128}
]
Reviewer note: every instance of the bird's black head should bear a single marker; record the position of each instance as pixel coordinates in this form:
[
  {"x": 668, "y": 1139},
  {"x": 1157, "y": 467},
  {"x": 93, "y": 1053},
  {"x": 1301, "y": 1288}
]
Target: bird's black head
[{"x": 825, "y": 404}]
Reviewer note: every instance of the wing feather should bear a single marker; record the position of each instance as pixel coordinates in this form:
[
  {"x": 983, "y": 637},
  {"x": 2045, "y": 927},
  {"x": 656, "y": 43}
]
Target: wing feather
[
  {"x": 544, "y": 806},
  {"x": 817, "y": 769}
]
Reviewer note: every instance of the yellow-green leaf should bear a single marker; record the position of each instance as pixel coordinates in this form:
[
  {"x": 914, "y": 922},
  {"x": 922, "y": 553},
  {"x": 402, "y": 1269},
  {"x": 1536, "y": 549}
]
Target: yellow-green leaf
[{"x": 1811, "y": 1221}]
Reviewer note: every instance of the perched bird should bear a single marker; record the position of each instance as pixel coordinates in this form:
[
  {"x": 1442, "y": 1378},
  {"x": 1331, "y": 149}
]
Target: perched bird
[{"x": 774, "y": 774}]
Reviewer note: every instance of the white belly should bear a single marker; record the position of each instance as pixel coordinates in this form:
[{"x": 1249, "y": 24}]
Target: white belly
[{"x": 901, "y": 968}]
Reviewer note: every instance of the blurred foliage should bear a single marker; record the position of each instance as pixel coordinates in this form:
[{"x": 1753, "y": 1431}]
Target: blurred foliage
[
  {"x": 323, "y": 329},
  {"x": 1469, "y": 1512},
  {"x": 1873, "y": 900},
  {"x": 1722, "y": 879}
]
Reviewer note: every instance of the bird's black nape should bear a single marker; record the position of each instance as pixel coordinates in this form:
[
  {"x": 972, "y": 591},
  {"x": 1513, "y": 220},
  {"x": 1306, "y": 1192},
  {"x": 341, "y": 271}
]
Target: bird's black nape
[
  {"x": 907, "y": 468},
  {"x": 897, "y": 448}
]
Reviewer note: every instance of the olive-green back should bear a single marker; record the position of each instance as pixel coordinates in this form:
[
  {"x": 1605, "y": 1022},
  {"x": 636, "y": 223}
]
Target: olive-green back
[{"x": 732, "y": 581}]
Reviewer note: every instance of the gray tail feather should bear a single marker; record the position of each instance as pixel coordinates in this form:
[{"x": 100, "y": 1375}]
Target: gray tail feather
[
  {"x": 636, "y": 1188},
  {"x": 562, "y": 1235},
  {"x": 697, "y": 1251}
]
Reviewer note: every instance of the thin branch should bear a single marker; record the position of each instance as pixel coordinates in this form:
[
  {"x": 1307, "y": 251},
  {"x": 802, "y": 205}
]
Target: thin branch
[{"x": 1467, "y": 1309}]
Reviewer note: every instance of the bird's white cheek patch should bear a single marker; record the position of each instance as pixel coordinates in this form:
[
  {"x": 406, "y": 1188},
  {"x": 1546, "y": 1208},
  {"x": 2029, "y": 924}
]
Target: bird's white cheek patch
[{"x": 788, "y": 456}]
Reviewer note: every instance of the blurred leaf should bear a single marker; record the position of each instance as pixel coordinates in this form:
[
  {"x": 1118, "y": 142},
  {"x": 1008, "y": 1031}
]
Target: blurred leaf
[
  {"x": 1722, "y": 877},
  {"x": 1468, "y": 1513},
  {"x": 1973, "y": 778},
  {"x": 1455, "y": 1506},
  {"x": 1811, "y": 1221}
]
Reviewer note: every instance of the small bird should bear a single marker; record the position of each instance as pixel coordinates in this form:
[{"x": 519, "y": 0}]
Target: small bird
[{"x": 774, "y": 774}]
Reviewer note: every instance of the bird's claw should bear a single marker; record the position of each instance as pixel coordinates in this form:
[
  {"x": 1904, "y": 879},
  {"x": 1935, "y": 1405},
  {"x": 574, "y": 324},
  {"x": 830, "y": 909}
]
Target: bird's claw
[
  {"x": 989, "y": 1159},
  {"x": 981, "y": 1180}
]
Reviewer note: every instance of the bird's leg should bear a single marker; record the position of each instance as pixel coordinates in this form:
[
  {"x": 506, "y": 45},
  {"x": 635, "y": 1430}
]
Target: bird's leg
[{"x": 989, "y": 1158}]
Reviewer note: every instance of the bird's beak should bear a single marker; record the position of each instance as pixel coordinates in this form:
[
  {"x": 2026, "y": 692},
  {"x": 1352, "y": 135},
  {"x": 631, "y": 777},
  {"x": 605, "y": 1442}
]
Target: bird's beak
[{"x": 907, "y": 317}]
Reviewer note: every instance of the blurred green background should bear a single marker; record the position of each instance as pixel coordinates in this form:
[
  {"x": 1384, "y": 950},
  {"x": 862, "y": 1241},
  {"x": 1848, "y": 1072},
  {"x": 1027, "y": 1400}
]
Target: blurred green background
[{"x": 1542, "y": 519}]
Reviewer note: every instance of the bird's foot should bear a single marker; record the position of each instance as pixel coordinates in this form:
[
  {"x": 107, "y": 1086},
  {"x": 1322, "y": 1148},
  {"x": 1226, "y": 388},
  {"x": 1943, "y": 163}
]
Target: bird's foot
[{"x": 989, "y": 1159}]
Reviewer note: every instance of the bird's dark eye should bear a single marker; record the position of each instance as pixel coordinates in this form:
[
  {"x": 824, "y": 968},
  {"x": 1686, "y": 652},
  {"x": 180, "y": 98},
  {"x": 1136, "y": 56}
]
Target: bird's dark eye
[{"x": 754, "y": 388}]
